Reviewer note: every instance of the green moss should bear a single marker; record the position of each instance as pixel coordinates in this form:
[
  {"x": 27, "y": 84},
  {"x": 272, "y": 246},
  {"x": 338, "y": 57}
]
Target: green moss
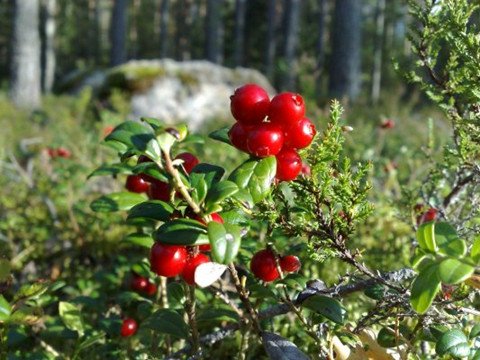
[{"x": 132, "y": 78}]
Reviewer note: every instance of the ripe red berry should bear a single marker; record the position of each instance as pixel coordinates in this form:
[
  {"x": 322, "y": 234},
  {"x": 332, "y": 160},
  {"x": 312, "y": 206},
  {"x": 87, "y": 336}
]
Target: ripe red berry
[
  {"x": 249, "y": 104},
  {"x": 289, "y": 165},
  {"x": 136, "y": 184},
  {"x": 159, "y": 190},
  {"x": 299, "y": 134},
  {"x": 286, "y": 108},
  {"x": 427, "y": 216},
  {"x": 263, "y": 265},
  {"x": 138, "y": 283},
  {"x": 188, "y": 273},
  {"x": 129, "y": 327},
  {"x": 52, "y": 153},
  {"x": 290, "y": 263},
  {"x": 151, "y": 289},
  {"x": 387, "y": 124},
  {"x": 62, "y": 152},
  {"x": 189, "y": 161},
  {"x": 264, "y": 140},
  {"x": 168, "y": 260},
  {"x": 205, "y": 247},
  {"x": 238, "y": 136}
]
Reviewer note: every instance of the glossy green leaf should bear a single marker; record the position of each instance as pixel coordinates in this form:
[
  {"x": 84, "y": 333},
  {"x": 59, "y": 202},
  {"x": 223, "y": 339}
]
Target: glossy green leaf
[
  {"x": 426, "y": 237},
  {"x": 447, "y": 240},
  {"x": 475, "y": 331},
  {"x": 176, "y": 294},
  {"x": 168, "y": 321},
  {"x": 453, "y": 271},
  {"x": 116, "y": 202},
  {"x": 90, "y": 341},
  {"x": 211, "y": 315},
  {"x": 475, "y": 251},
  {"x": 225, "y": 241},
  {"x": 375, "y": 292},
  {"x": 153, "y": 209},
  {"x": 27, "y": 315},
  {"x": 151, "y": 169},
  {"x": 166, "y": 141},
  {"x": 454, "y": 343},
  {"x": 212, "y": 173},
  {"x": 474, "y": 354},
  {"x": 279, "y": 348},
  {"x": 112, "y": 169},
  {"x": 256, "y": 176},
  {"x": 219, "y": 192},
  {"x": 386, "y": 336},
  {"x": 199, "y": 187},
  {"x": 33, "y": 290},
  {"x": 154, "y": 123},
  {"x": 424, "y": 288},
  {"x": 182, "y": 232},
  {"x": 140, "y": 239},
  {"x": 133, "y": 135},
  {"x": 326, "y": 306},
  {"x": 221, "y": 135},
  {"x": 71, "y": 316},
  {"x": 5, "y": 309}
]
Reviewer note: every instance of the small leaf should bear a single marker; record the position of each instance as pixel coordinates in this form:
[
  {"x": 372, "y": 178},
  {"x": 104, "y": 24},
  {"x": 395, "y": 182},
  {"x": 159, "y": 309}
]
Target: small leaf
[
  {"x": 139, "y": 239},
  {"x": 168, "y": 321},
  {"x": 221, "y": 135},
  {"x": 453, "y": 271},
  {"x": 199, "y": 186},
  {"x": 326, "y": 306},
  {"x": 176, "y": 294},
  {"x": 447, "y": 240},
  {"x": 207, "y": 273},
  {"x": 225, "y": 241},
  {"x": 71, "y": 316},
  {"x": 475, "y": 252},
  {"x": 475, "y": 331},
  {"x": 208, "y": 316},
  {"x": 182, "y": 232},
  {"x": 454, "y": 343},
  {"x": 375, "y": 292},
  {"x": 386, "y": 336},
  {"x": 5, "y": 268},
  {"x": 279, "y": 348},
  {"x": 426, "y": 236},
  {"x": 153, "y": 209},
  {"x": 212, "y": 173},
  {"x": 90, "y": 341},
  {"x": 220, "y": 191},
  {"x": 31, "y": 290},
  {"x": 5, "y": 309},
  {"x": 424, "y": 288},
  {"x": 112, "y": 169},
  {"x": 116, "y": 202},
  {"x": 27, "y": 315},
  {"x": 256, "y": 176},
  {"x": 151, "y": 169}
]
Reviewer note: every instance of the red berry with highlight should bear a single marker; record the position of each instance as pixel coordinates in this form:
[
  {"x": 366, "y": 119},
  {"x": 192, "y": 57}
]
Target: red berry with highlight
[
  {"x": 138, "y": 283},
  {"x": 300, "y": 134},
  {"x": 189, "y": 161},
  {"x": 129, "y": 327},
  {"x": 136, "y": 184},
  {"x": 289, "y": 165},
  {"x": 249, "y": 104},
  {"x": 286, "y": 109},
  {"x": 151, "y": 289},
  {"x": 265, "y": 140},
  {"x": 263, "y": 265},
  {"x": 62, "y": 152},
  {"x": 427, "y": 216},
  {"x": 188, "y": 273},
  {"x": 238, "y": 136},
  {"x": 290, "y": 263},
  {"x": 159, "y": 190},
  {"x": 168, "y": 260}
]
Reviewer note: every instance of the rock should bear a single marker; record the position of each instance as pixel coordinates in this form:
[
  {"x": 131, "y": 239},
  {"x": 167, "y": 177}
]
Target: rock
[{"x": 192, "y": 91}]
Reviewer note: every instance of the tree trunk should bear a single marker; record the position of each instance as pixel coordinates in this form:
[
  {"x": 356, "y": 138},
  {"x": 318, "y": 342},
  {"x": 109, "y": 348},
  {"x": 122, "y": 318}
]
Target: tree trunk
[
  {"x": 184, "y": 25},
  {"x": 214, "y": 32},
  {"x": 164, "y": 15},
  {"x": 271, "y": 39},
  {"x": 240, "y": 10},
  {"x": 346, "y": 46},
  {"x": 49, "y": 60},
  {"x": 377, "y": 52},
  {"x": 322, "y": 14},
  {"x": 118, "y": 31},
  {"x": 292, "y": 15},
  {"x": 26, "y": 78}
]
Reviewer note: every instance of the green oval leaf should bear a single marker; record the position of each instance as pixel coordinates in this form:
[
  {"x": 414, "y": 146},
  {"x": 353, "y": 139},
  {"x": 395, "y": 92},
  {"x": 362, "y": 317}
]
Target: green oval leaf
[
  {"x": 182, "y": 232},
  {"x": 386, "y": 336},
  {"x": 139, "y": 239},
  {"x": 71, "y": 316},
  {"x": 221, "y": 135},
  {"x": 153, "y": 209},
  {"x": 454, "y": 343},
  {"x": 426, "y": 236},
  {"x": 326, "y": 306},
  {"x": 280, "y": 348},
  {"x": 5, "y": 309},
  {"x": 116, "y": 202},
  {"x": 375, "y": 292},
  {"x": 475, "y": 331},
  {"x": 447, "y": 240},
  {"x": 256, "y": 176},
  {"x": 424, "y": 288},
  {"x": 220, "y": 191},
  {"x": 111, "y": 169},
  {"x": 475, "y": 252},
  {"x": 225, "y": 241},
  {"x": 453, "y": 271},
  {"x": 168, "y": 321}
]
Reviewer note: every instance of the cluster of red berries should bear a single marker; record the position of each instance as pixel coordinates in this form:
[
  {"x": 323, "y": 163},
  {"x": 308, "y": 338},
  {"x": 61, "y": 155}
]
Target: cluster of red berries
[
  {"x": 264, "y": 265},
  {"x": 143, "y": 285},
  {"x": 266, "y": 128},
  {"x": 58, "y": 152},
  {"x": 425, "y": 216}
]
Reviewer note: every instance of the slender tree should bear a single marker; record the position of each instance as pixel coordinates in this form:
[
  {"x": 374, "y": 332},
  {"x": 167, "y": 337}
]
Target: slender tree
[
  {"x": 214, "y": 32},
  {"x": 322, "y": 14},
  {"x": 49, "y": 60},
  {"x": 118, "y": 31},
  {"x": 183, "y": 25},
  {"x": 291, "y": 21},
  {"x": 271, "y": 38},
  {"x": 26, "y": 77},
  {"x": 346, "y": 45},
  {"x": 164, "y": 17},
  {"x": 378, "y": 49},
  {"x": 240, "y": 11}
]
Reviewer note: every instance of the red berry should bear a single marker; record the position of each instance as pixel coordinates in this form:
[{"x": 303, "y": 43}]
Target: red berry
[
  {"x": 205, "y": 248},
  {"x": 289, "y": 165},
  {"x": 188, "y": 273},
  {"x": 299, "y": 134},
  {"x": 168, "y": 260},
  {"x": 62, "y": 152},
  {"x": 290, "y": 263},
  {"x": 286, "y": 108},
  {"x": 264, "y": 140},
  {"x": 129, "y": 327},
  {"x": 215, "y": 217},
  {"x": 159, "y": 190},
  {"x": 138, "y": 283},
  {"x": 143, "y": 159},
  {"x": 249, "y": 104},
  {"x": 427, "y": 216},
  {"x": 136, "y": 184},
  {"x": 189, "y": 161},
  {"x": 52, "y": 152},
  {"x": 263, "y": 265},
  {"x": 151, "y": 289},
  {"x": 238, "y": 136},
  {"x": 387, "y": 124}
]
